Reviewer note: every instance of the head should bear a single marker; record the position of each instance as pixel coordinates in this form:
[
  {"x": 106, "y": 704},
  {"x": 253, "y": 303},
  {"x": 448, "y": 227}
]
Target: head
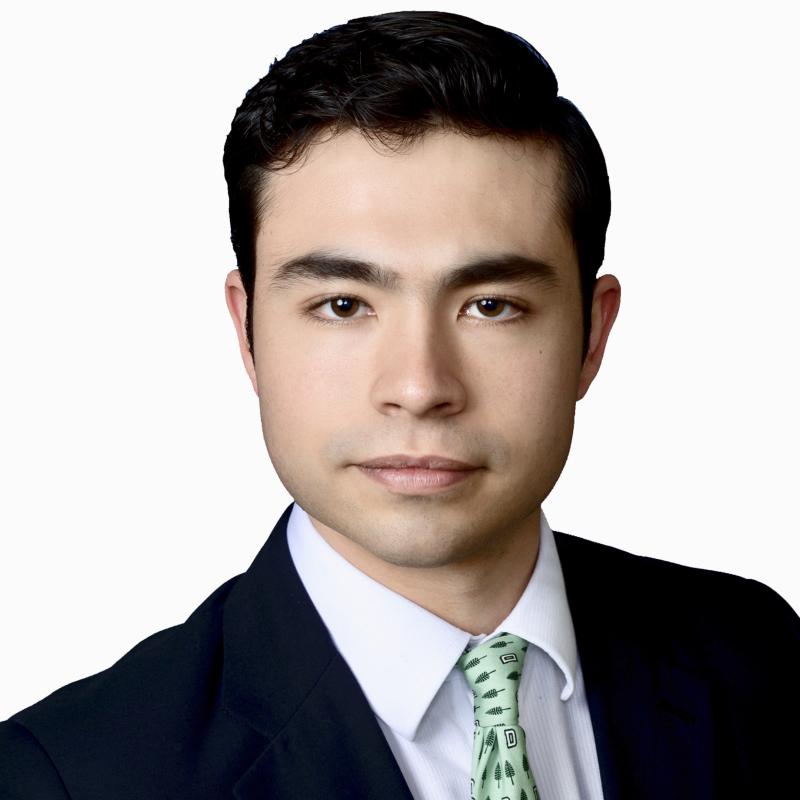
[{"x": 420, "y": 171}]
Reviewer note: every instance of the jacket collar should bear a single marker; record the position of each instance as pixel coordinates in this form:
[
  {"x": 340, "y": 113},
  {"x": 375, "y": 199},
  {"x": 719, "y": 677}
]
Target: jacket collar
[
  {"x": 283, "y": 677},
  {"x": 649, "y": 704}
]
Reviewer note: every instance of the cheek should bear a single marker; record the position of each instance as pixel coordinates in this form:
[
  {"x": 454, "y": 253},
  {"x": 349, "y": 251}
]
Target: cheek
[
  {"x": 538, "y": 416},
  {"x": 306, "y": 391},
  {"x": 539, "y": 392}
]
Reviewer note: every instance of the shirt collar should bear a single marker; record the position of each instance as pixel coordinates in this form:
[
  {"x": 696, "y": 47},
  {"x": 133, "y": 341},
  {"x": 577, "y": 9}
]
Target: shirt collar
[{"x": 364, "y": 617}]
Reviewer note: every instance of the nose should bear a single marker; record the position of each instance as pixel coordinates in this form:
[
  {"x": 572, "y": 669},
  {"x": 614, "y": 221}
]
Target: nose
[{"x": 418, "y": 371}]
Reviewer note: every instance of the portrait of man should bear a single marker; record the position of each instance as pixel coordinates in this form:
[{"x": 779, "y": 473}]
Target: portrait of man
[{"x": 419, "y": 219}]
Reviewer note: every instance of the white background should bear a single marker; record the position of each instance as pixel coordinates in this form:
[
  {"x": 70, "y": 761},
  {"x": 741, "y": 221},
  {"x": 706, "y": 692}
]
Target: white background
[{"x": 134, "y": 475}]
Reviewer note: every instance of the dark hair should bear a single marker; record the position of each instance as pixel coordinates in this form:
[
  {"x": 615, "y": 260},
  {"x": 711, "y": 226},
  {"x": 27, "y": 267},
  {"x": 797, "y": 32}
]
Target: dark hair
[{"x": 395, "y": 77}]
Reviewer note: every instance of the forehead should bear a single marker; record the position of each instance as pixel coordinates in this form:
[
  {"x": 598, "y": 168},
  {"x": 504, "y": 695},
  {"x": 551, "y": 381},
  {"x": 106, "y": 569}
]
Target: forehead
[{"x": 445, "y": 199}]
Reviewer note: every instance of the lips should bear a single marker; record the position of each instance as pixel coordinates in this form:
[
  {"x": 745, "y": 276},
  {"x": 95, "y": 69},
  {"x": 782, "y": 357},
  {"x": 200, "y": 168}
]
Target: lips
[{"x": 402, "y": 461}]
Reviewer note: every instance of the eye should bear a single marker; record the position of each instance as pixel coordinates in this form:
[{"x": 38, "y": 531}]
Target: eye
[
  {"x": 494, "y": 306},
  {"x": 345, "y": 307},
  {"x": 344, "y": 303}
]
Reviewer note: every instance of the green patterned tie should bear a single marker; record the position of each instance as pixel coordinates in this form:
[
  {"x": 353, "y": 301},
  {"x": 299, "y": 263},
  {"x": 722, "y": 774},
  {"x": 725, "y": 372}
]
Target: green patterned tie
[{"x": 500, "y": 768}]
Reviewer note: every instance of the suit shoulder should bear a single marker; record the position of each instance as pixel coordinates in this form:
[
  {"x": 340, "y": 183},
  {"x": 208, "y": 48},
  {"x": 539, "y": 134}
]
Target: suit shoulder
[
  {"x": 669, "y": 595},
  {"x": 153, "y": 675},
  {"x": 585, "y": 555},
  {"x": 25, "y": 768}
]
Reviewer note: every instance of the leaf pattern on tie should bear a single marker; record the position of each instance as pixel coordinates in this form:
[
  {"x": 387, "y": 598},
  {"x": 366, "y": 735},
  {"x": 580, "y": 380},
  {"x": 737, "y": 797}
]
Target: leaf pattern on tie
[{"x": 498, "y": 741}]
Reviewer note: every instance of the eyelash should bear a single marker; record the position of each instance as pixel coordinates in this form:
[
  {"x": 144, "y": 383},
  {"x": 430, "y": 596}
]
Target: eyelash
[{"x": 327, "y": 321}]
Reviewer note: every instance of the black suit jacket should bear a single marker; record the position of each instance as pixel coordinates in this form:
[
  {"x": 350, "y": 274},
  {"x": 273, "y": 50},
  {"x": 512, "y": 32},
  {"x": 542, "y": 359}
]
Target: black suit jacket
[{"x": 692, "y": 679}]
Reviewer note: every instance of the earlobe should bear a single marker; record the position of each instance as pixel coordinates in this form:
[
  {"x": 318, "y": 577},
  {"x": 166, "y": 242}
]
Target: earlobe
[
  {"x": 605, "y": 307},
  {"x": 236, "y": 300}
]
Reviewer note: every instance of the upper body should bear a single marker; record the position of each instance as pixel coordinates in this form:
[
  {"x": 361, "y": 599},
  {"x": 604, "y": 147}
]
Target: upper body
[
  {"x": 250, "y": 696},
  {"x": 418, "y": 221}
]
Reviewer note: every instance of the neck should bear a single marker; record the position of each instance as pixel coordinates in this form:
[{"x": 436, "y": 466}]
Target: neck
[{"x": 475, "y": 595}]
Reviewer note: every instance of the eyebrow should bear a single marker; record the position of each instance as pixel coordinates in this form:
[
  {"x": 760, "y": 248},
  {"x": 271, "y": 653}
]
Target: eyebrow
[{"x": 500, "y": 268}]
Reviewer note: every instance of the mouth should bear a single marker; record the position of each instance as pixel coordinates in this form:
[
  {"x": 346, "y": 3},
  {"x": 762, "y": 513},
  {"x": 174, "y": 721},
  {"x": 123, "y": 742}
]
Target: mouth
[
  {"x": 417, "y": 474},
  {"x": 427, "y": 462}
]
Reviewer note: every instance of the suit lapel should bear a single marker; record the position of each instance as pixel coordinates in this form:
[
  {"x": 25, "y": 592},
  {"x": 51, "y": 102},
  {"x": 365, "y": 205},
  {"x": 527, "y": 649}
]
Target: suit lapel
[
  {"x": 284, "y": 678},
  {"x": 651, "y": 712}
]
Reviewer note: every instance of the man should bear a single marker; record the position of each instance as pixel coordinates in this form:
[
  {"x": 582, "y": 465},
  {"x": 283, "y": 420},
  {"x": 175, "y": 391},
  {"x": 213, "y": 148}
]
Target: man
[{"x": 418, "y": 221}]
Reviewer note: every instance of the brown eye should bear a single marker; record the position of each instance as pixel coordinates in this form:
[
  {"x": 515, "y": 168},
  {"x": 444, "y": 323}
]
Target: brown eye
[
  {"x": 491, "y": 307},
  {"x": 491, "y": 304},
  {"x": 343, "y": 304},
  {"x": 346, "y": 307}
]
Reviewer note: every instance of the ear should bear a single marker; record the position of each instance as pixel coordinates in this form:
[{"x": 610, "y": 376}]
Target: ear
[
  {"x": 605, "y": 305},
  {"x": 236, "y": 299}
]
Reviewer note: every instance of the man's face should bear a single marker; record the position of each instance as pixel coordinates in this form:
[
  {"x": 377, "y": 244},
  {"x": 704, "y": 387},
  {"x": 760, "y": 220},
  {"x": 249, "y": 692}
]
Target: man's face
[{"x": 418, "y": 369}]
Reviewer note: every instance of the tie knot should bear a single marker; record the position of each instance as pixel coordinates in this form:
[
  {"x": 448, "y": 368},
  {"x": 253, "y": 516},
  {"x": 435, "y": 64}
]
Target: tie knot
[{"x": 493, "y": 670}]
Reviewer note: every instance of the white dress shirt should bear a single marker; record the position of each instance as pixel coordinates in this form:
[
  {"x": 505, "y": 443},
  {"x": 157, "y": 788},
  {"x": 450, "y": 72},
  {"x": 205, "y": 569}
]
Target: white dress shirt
[{"x": 424, "y": 705}]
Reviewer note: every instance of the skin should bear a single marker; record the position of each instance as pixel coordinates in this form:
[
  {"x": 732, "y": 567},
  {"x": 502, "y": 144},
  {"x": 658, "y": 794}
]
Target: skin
[{"x": 408, "y": 371}]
